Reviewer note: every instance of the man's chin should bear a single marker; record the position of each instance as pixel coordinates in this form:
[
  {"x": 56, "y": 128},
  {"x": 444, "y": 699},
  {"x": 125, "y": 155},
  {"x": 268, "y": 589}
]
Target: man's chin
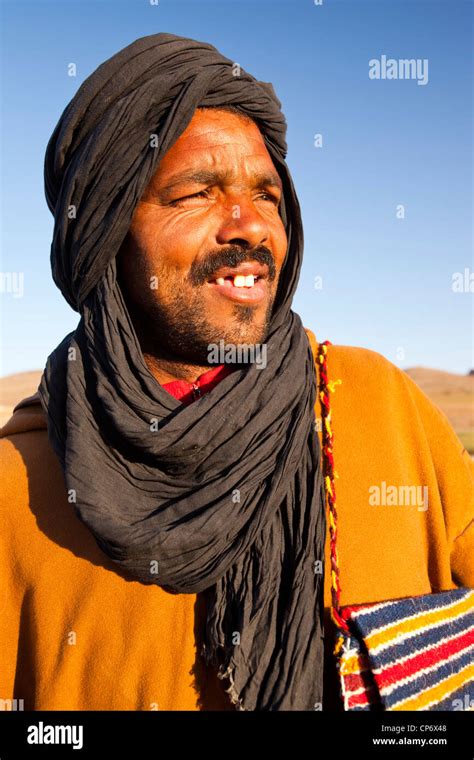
[
  {"x": 246, "y": 333},
  {"x": 244, "y": 324},
  {"x": 188, "y": 331}
]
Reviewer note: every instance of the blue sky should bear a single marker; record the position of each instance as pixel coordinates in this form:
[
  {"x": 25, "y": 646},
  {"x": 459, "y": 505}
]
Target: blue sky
[{"x": 386, "y": 281}]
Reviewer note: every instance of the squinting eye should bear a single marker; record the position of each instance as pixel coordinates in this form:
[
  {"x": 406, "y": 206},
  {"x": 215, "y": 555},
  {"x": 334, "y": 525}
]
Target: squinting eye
[
  {"x": 271, "y": 198},
  {"x": 205, "y": 194},
  {"x": 202, "y": 193}
]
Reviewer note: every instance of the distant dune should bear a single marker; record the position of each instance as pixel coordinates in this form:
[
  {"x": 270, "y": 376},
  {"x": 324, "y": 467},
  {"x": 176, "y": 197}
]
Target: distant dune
[{"x": 454, "y": 394}]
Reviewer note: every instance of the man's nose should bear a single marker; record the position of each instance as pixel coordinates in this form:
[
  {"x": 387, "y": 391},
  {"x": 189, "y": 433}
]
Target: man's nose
[{"x": 241, "y": 221}]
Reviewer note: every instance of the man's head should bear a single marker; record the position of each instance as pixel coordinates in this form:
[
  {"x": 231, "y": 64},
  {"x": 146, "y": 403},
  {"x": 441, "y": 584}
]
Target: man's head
[{"x": 206, "y": 228}]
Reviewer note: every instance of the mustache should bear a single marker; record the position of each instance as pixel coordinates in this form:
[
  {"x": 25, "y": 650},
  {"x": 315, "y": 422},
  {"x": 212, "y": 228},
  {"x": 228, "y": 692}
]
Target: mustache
[{"x": 232, "y": 256}]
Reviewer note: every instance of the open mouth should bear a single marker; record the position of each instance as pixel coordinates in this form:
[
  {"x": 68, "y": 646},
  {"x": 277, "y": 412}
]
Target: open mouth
[{"x": 246, "y": 283}]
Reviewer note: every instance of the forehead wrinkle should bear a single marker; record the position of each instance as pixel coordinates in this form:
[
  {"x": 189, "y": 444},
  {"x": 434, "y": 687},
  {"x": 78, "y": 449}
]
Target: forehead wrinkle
[
  {"x": 223, "y": 176},
  {"x": 231, "y": 143},
  {"x": 213, "y": 159},
  {"x": 245, "y": 128}
]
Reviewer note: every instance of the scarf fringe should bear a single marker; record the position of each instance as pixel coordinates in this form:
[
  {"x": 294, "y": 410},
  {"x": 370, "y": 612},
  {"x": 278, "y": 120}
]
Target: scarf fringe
[
  {"x": 232, "y": 691},
  {"x": 224, "y": 672}
]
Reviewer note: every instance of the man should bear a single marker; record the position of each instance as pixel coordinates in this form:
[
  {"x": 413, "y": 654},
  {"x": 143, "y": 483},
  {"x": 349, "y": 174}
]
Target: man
[{"x": 164, "y": 536}]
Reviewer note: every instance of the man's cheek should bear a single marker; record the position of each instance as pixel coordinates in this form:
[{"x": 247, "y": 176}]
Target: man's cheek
[{"x": 182, "y": 223}]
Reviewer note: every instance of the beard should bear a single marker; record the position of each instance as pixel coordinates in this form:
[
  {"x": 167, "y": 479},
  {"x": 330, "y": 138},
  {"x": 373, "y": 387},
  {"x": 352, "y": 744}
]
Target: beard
[
  {"x": 177, "y": 323},
  {"x": 182, "y": 328}
]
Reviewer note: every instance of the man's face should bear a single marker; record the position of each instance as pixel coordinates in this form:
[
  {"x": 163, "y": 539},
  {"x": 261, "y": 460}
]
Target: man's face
[{"x": 203, "y": 255}]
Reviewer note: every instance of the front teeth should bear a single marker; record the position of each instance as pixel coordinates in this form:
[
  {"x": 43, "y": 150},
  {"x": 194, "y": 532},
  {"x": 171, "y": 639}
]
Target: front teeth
[{"x": 242, "y": 281}]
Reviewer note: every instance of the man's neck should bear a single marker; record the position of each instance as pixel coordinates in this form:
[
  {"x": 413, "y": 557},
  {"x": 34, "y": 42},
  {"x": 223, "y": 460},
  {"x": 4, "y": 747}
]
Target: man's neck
[{"x": 167, "y": 370}]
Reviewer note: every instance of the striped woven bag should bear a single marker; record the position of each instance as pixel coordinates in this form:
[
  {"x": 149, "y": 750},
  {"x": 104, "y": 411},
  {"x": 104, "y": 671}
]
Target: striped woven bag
[{"x": 415, "y": 653}]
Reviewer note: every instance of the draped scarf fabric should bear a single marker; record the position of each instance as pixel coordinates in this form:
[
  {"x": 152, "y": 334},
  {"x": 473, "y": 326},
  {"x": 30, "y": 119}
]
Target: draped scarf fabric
[{"x": 223, "y": 497}]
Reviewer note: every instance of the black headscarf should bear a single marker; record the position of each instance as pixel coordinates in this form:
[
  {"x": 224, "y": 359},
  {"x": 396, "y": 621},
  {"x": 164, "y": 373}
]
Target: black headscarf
[{"x": 223, "y": 497}]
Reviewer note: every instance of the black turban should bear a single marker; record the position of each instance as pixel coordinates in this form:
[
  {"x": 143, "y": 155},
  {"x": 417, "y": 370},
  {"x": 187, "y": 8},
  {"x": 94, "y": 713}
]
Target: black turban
[{"x": 163, "y": 496}]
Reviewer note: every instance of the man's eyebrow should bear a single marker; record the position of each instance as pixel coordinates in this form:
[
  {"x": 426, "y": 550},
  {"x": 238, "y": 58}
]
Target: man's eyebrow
[{"x": 215, "y": 177}]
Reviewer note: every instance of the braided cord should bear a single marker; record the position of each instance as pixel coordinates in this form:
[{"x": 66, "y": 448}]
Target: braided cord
[{"x": 325, "y": 389}]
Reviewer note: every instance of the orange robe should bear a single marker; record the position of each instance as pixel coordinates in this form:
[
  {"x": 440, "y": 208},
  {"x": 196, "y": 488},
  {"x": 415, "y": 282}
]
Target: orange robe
[{"x": 78, "y": 634}]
